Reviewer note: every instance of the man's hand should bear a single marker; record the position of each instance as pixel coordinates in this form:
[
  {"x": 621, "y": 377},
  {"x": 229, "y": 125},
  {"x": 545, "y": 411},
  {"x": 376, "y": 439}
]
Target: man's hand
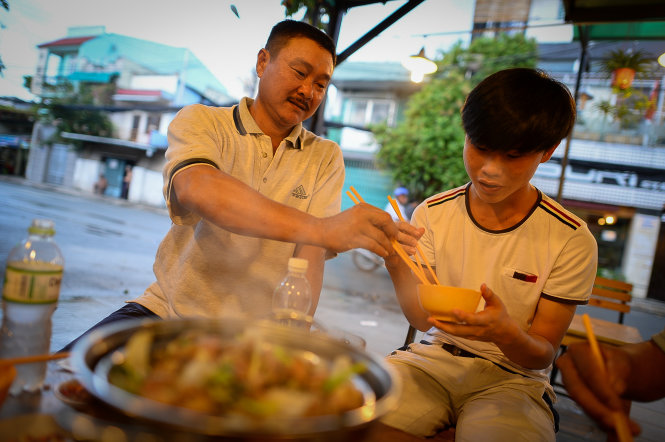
[
  {"x": 490, "y": 325},
  {"x": 597, "y": 395},
  {"x": 367, "y": 227}
]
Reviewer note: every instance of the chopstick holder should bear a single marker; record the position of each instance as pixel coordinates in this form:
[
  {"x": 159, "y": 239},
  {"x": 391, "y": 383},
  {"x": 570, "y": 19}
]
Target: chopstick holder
[{"x": 620, "y": 419}]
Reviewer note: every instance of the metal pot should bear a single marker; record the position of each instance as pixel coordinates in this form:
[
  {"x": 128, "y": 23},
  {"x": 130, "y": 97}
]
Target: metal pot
[{"x": 91, "y": 359}]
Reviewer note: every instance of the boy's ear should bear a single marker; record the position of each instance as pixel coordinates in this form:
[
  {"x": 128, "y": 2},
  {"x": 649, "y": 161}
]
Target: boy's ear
[{"x": 548, "y": 154}]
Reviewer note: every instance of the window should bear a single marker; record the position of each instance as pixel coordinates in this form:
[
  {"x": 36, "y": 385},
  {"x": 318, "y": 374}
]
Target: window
[
  {"x": 365, "y": 111},
  {"x": 153, "y": 123},
  {"x": 381, "y": 112},
  {"x": 135, "y": 127}
]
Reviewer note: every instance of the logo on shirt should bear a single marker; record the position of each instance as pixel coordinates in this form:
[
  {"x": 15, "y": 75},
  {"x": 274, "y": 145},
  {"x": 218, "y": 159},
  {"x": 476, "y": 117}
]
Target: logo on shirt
[{"x": 299, "y": 192}]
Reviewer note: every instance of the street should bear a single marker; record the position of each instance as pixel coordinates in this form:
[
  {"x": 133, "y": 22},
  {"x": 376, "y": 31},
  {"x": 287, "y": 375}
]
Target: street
[{"x": 109, "y": 247}]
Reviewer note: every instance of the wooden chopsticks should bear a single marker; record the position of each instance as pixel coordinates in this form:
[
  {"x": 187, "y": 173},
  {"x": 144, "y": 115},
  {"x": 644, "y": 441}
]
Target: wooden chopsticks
[
  {"x": 620, "y": 419},
  {"x": 421, "y": 254},
  {"x": 34, "y": 358},
  {"x": 416, "y": 269}
]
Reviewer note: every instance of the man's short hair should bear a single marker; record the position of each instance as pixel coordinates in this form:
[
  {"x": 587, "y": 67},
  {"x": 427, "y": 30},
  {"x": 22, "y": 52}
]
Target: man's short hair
[
  {"x": 518, "y": 109},
  {"x": 285, "y": 30}
]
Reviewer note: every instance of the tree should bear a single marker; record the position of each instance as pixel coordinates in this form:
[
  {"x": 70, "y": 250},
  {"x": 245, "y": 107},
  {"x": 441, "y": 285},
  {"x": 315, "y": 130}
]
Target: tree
[
  {"x": 315, "y": 10},
  {"x": 77, "y": 112},
  {"x": 424, "y": 151},
  {"x": 4, "y": 4}
]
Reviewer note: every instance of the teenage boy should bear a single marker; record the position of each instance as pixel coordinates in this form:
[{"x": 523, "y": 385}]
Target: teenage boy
[{"x": 533, "y": 261}]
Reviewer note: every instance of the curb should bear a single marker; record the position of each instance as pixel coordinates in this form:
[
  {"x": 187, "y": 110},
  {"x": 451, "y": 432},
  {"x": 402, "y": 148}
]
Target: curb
[{"x": 21, "y": 181}]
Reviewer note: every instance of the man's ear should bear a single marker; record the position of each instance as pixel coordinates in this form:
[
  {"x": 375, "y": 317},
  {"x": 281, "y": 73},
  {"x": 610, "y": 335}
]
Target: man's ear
[
  {"x": 262, "y": 59},
  {"x": 548, "y": 154}
]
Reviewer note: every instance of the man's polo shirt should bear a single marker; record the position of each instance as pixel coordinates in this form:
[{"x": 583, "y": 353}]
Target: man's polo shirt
[{"x": 204, "y": 270}]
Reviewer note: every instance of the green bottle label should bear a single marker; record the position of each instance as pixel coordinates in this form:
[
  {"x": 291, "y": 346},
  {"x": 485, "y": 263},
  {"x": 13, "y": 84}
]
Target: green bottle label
[{"x": 32, "y": 282}]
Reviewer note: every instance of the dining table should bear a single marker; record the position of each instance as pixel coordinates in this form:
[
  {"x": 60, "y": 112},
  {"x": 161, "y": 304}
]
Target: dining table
[{"x": 63, "y": 410}]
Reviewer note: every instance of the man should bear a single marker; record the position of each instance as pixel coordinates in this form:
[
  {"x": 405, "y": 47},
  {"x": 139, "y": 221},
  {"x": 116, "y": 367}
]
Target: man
[
  {"x": 402, "y": 198},
  {"x": 248, "y": 187}
]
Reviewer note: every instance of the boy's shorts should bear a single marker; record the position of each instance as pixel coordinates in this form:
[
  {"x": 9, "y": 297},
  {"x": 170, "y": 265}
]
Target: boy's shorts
[{"x": 483, "y": 401}]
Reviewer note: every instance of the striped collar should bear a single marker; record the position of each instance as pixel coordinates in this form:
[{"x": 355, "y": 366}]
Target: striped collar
[{"x": 245, "y": 123}]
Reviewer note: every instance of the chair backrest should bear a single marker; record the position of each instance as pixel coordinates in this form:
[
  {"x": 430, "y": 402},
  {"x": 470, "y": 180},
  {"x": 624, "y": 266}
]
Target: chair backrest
[{"x": 612, "y": 294}]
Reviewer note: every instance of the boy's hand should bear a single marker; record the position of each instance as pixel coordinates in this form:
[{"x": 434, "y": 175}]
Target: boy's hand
[{"x": 492, "y": 324}]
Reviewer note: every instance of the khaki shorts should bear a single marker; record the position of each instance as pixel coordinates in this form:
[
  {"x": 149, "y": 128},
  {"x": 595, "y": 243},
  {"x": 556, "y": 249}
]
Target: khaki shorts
[{"x": 483, "y": 401}]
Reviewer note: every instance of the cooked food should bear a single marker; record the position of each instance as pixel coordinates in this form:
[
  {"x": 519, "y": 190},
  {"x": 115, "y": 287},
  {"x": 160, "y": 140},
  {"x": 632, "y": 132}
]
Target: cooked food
[{"x": 246, "y": 375}]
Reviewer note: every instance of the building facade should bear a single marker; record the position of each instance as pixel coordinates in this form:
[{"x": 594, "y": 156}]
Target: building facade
[{"x": 139, "y": 85}]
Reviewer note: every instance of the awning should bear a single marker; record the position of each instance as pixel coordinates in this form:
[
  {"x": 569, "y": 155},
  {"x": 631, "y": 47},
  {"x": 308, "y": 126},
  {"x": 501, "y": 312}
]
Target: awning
[
  {"x": 149, "y": 150},
  {"x": 15, "y": 141},
  {"x": 93, "y": 77},
  {"x": 625, "y": 31},
  {"x": 604, "y": 11}
]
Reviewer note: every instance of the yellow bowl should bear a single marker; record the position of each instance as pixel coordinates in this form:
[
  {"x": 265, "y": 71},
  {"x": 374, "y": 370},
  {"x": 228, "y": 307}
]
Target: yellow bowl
[{"x": 439, "y": 300}]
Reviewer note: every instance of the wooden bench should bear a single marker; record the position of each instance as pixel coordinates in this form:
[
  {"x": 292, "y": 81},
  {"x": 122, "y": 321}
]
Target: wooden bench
[{"x": 608, "y": 294}]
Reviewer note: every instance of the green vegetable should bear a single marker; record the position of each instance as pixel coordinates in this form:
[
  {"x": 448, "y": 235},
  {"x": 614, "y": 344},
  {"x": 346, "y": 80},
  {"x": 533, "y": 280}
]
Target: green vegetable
[{"x": 340, "y": 376}]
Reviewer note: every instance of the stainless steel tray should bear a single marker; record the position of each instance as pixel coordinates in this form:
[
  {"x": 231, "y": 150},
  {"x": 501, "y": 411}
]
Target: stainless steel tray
[{"x": 91, "y": 359}]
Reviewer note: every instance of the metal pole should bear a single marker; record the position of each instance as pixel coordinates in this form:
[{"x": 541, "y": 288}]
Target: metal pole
[
  {"x": 661, "y": 98},
  {"x": 376, "y": 30},
  {"x": 584, "y": 41},
  {"x": 316, "y": 122}
]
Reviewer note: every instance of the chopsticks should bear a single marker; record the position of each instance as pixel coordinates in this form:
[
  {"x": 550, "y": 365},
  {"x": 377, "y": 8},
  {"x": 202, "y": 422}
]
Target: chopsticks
[
  {"x": 417, "y": 270},
  {"x": 34, "y": 358},
  {"x": 620, "y": 419},
  {"x": 421, "y": 254}
]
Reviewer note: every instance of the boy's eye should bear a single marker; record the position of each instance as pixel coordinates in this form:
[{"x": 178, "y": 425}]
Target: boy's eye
[{"x": 299, "y": 73}]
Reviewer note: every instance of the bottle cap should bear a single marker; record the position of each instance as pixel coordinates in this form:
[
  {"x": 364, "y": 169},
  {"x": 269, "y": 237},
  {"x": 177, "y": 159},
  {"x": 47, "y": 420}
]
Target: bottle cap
[
  {"x": 298, "y": 264},
  {"x": 42, "y": 227}
]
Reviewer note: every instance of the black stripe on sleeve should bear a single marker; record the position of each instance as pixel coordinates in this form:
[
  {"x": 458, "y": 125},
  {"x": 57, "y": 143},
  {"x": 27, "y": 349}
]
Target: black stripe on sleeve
[
  {"x": 564, "y": 301},
  {"x": 189, "y": 162}
]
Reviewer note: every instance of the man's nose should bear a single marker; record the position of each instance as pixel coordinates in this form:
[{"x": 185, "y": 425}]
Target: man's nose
[{"x": 306, "y": 90}]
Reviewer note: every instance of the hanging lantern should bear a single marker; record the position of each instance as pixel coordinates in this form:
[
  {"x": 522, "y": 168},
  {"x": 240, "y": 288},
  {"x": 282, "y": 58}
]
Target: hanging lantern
[{"x": 419, "y": 65}]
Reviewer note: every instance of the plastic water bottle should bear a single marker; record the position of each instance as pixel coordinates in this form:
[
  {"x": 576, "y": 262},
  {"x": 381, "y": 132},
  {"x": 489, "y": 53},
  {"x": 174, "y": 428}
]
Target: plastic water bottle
[
  {"x": 29, "y": 298},
  {"x": 294, "y": 292}
]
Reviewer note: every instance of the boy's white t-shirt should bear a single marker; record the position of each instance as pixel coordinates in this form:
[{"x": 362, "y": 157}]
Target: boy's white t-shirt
[{"x": 551, "y": 253}]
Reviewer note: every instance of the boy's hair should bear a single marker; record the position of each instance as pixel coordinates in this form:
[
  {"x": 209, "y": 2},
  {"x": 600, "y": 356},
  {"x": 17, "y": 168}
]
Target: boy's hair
[
  {"x": 519, "y": 109},
  {"x": 285, "y": 30}
]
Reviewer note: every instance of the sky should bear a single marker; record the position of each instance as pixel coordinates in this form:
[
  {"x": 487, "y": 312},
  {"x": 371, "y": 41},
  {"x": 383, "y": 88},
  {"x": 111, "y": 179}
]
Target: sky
[{"x": 226, "y": 44}]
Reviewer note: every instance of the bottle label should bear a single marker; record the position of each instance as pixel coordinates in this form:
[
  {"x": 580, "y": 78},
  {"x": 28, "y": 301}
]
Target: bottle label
[{"x": 32, "y": 282}]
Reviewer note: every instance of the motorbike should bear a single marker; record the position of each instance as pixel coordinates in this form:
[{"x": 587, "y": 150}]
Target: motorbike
[{"x": 366, "y": 260}]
